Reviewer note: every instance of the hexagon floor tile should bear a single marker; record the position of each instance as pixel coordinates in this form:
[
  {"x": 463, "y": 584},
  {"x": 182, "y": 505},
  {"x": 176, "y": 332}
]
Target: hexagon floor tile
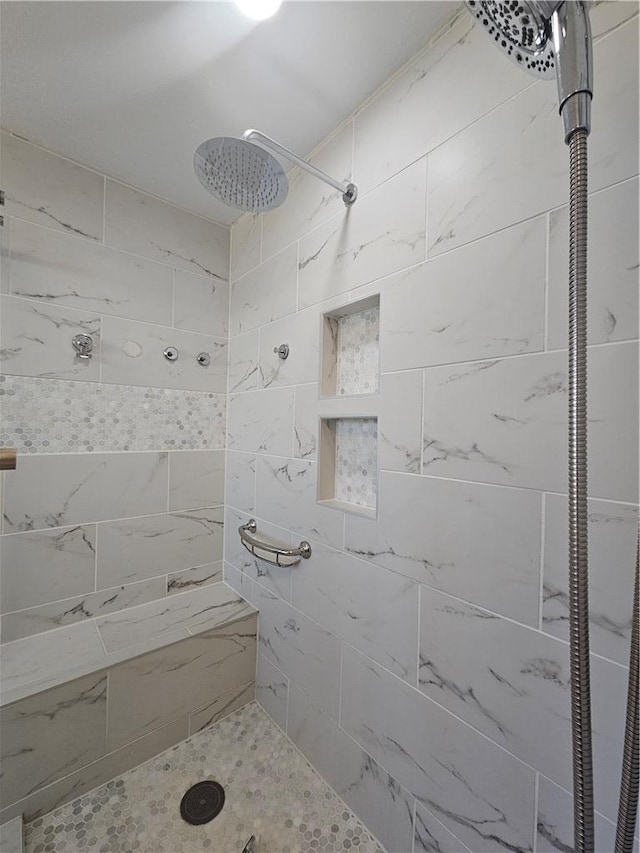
[{"x": 271, "y": 791}]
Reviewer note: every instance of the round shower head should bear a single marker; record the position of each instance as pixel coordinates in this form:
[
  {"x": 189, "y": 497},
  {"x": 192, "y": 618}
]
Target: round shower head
[
  {"x": 521, "y": 30},
  {"x": 240, "y": 173}
]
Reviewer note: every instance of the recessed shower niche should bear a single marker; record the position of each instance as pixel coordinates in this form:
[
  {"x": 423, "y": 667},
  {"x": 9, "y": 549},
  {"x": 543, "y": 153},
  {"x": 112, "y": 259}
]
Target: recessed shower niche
[
  {"x": 350, "y": 349},
  {"x": 348, "y": 471}
]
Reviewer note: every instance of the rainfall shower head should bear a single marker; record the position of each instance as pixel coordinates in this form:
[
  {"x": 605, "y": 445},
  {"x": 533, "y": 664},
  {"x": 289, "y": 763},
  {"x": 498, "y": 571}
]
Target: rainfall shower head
[
  {"x": 246, "y": 176},
  {"x": 547, "y": 39}
]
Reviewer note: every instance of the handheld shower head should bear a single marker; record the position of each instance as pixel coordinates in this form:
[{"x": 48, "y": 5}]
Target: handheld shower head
[{"x": 547, "y": 39}]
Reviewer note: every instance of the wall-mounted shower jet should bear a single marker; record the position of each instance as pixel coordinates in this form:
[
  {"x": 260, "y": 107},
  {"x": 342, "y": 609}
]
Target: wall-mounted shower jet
[{"x": 243, "y": 174}]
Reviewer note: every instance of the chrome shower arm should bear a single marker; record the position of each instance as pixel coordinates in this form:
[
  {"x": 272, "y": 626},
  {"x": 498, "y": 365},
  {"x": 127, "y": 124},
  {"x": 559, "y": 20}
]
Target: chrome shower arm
[{"x": 349, "y": 191}]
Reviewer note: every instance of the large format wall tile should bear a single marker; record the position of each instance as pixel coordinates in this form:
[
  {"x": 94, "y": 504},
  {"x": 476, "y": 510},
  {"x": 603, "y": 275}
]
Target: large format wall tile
[
  {"x": 53, "y": 491},
  {"x": 399, "y": 422},
  {"x": 301, "y": 332},
  {"x": 272, "y": 688},
  {"x": 138, "y": 548},
  {"x": 47, "y": 565},
  {"x": 200, "y": 304},
  {"x": 193, "y": 578},
  {"x": 75, "y": 273},
  {"x": 132, "y": 353},
  {"x": 275, "y": 579},
  {"x": 484, "y": 300},
  {"x": 221, "y": 707},
  {"x": 516, "y": 431},
  {"x": 480, "y": 792},
  {"x": 147, "y": 226},
  {"x": 266, "y": 293},
  {"x": 613, "y": 530},
  {"x": 52, "y": 734},
  {"x": 36, "y": 340},
  {"x": 243, "y": 362},
  {"x": 240, "y": 480},
  {"x": 430, "y": 835},
  {"x": 246, "y": 244},
  {"x": 196, "y": 479},
  {"x": 554, "y": 825},
  {"x": 382, "y": 233},
  {"x": 261, "y": 421},
  {"x": 495, "y": 563},
  {"x": 50, "y": 190}
]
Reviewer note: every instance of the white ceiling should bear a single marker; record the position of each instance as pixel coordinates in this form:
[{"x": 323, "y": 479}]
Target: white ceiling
[{"x": 131, "y": 88}]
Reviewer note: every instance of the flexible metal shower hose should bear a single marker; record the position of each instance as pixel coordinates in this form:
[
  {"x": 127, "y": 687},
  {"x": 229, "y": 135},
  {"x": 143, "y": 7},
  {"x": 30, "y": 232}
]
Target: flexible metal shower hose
[{"x": 578, "y": 513}]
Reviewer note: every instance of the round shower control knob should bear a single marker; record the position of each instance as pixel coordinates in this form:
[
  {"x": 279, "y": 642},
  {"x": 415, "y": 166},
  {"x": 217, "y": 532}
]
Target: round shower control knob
[{"x": 171, "y": 353}]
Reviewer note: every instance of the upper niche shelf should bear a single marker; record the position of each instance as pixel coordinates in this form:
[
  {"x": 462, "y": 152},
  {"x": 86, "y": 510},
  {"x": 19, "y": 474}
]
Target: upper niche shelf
[{"x": 350, "y": 349}]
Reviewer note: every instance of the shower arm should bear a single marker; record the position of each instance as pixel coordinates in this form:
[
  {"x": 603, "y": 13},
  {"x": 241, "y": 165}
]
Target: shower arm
[{"x": 349, "y": 191}]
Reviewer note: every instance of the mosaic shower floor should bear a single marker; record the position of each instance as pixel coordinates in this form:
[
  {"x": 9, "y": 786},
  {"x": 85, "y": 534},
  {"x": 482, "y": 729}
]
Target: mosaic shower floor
[{"x": 271, "y": 792}]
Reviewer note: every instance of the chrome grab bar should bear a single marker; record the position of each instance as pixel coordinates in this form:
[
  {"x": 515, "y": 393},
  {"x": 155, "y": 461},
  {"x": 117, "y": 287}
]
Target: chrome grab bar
[{"x": 303, "y": 551}]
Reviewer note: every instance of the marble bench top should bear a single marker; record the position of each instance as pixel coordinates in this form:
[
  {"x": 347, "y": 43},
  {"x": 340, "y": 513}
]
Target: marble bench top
[{"x": 36, "y": 663}]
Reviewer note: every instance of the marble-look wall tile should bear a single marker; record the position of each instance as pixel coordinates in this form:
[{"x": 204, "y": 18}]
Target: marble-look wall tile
[
  {"x": 239, "y": 582},
  {"x": 266, "y": 293},
  {"x": 272, "y": 688},
  {"x": 512, "y": 683},
  {"x": 144, "y": 225},
  {"x": 374, "y": 609},
  {"x": 495, "y": 563},
  {"x": 149, "y": 691},
  {"x": 492, "y": 174},
  {"x": 515, "y": 432},
  {"x": 137, "y": 548},
  {"x": 50, "y": 190},
  {"x": 613, "y": 530},
  {"x": 246, "y": 238},
  {"x": 39, "y": 567},
  {"x": 189, "y": 579},
  {"x": 375, "y": 796},
  {"x": 305, "y": 422},
  {"x": 613, "y": 258},
  {"x": 382, "y": 233},
  {"x": 275, "y": 579},
  {"x": 243, "y": 362},
  {"x": 200, "y": 304},
  {"x": 432, "y": 836},
  {"x": 54, "y": 491},
  {"x": 221, "y": 707},
  {"x": 302, "y": 333},
  {"x": 286, "y": 493},
  {"x": 11, "y": 840},
  {"x": 261, "y": 421},
  {"x": 485, "y": 300},
  {"x": 132, "y": 353},
  {"x": 240, "y": 480},
  {"x": 310, "y": 201},
  {"x": 400, "y": 422},
  {"x": 5, "y": 245},
  {"x": 73, "y": 273},
  {"x": 301, "y": 649},
  {"x": 479, "y": 791},
  {"x": 46, "y": 617},
  {"x": 52, "y": 734},
  {"x": 196, "y": 479},
  {"x": 36, "y": 340},
  {"x": 441, "y": 92}
]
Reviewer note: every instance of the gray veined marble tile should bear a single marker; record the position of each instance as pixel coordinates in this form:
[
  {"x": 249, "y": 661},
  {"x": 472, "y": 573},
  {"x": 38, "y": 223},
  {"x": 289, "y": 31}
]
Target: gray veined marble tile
[
  {"x": 246, "y": 236},
  {"x": 484, "y": 300},
  {"x": 266, "y": 293},
  {"x": 50, "y": 190},
  {"x": 239, "y": 582},
  {"x": 476, "y": 789},
  {"x": 36, "y": 340},
  {"x": 400, "y": 422},
  {"x": 133, "y": 354},
  {"x": 613, "y": 259},
  {"x": 496, "y": 563},
  {"x": 382, "y": 233},
  {"x": 302, "y": 333},
  {"x": 243, "y": 362},
  {"x": 612, "y": 557},
  {"x": 194, "y": 578},
  {"x": 39, "y": 567},
  {"x": 196, "y": 479},
  {"x": 54, "y": 268},
  {"x": 5, "y": 244},
  {"x": 286, "y": 492},
  {"x": 431, "y": 836},
  {"x": 221, "y": 707},
  {"x": 515, "y": 433},
  {"x": 275, "y": 579},
  {"x": 51, "y": 735},
  {"x": 61, "y": 490},
  {"x": 138, "y": 548},
  {"x": 11, "y": 840},
  {"x": 147, "y": 226},
  {"x": 261, "y": 421},
  {"x": 272, "y": 690},
  {"x": 240, "y": 480},
  {"x": 372, "y": 608},
  {"x": 305, "y": 425},
  {"x": 200, "y": 304},
  {"x": 512, "y": 683},
  {"x": 46, "y": 617},
  {"x": 301, "y": 649}
]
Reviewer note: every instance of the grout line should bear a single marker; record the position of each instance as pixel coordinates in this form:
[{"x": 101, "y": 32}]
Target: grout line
[
  {"x": 536, "y": 805},
  {"x": 419, "y": 620},
  {"x": 541, "y": 564},
  {"x": 545, "y": 330},
  {"x": 95, "y": 561},
  {"x": 104, "y": 211}
]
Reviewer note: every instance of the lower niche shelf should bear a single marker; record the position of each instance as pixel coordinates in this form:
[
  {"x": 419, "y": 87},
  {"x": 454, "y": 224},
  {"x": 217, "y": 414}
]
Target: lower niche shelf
[{"x": 348, "y": 469}]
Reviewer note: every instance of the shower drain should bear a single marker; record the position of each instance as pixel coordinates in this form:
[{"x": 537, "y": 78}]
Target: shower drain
[{"x": 202, "y": 802}]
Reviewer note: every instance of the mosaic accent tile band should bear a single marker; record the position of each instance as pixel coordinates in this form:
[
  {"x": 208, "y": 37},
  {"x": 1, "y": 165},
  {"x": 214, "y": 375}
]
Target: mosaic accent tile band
[
  {"x": 60, "y": 416},
  {"x": 357, "y": 367},
  {"x": 356, "y": 461}
]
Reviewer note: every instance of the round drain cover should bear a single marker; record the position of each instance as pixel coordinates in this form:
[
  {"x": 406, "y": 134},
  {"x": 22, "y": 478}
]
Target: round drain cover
[{"x": 202, "y": 802}]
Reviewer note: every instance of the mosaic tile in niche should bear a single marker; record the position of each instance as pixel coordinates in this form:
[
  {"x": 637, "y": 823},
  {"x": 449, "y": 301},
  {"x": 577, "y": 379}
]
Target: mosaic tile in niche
[
  {"x": 60, "y": 416},
  {"x": 357, "y": 357},
  {"x": 356, "y": 461}
]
